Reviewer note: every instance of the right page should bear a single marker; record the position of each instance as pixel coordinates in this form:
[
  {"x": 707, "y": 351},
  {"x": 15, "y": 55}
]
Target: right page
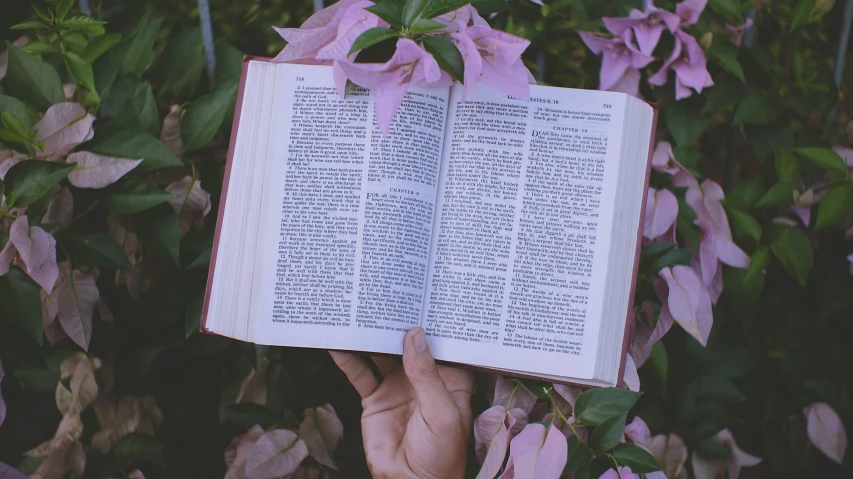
[{"x": 520, "y": 247}]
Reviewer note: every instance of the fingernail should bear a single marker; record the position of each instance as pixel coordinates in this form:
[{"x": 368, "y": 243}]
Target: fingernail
[{"x": 419, "y": 340}]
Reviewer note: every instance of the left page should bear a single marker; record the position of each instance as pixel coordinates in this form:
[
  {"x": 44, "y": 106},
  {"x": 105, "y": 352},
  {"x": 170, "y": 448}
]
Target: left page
[{"x": 345, "y": 251}]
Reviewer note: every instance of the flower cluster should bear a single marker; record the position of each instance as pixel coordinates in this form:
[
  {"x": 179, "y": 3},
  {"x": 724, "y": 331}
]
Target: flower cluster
[
  {"x": 432, "y": 49},
  {"x": 634, "y": 41}
]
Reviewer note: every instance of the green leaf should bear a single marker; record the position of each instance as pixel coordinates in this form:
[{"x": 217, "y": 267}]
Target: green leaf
[
  {"x": 835, "y": 206},
  {"x": 160, "y": 230},
  {"x": 42, "y": 13},
  {"x": 29, "y": 180},
  {"x": 96, "y": 249},
  {"x": 801, "y": 13},
  {"x": 137, "y": 447},
  {"x": 685, "y": 123},
  {"x": 727, "y": 54},
  {"x": 20, "y": 301},
  {"x": 725, "y": 92},
  {"x": 425, "y": 25},
  {"x": 85, "y": 22},
  {"x": 487, "y": 7},
  {"x": 440, "y": 7},
  {"x": 16, "y": 125},
  {"x": 389, "y": 10},
  {"x": 726, "y": 7},
  {"x": 607, "y": 435},
  {"x": 412, "y": 11},
  {"x": 204, "y": 116},
  {"x": 756, "y": 109},
  {"x": 371, "y": 37},
  {"x": 595, "y": 406},
  {"x": 745, "y": 225},
  {"x": 99, "y": 45},
  {"x": 578, "y": 455},
  {"x": 80, "y": 69},
  {"x": 246, "y": 415},
  {"x": 193, "y": 317},
  {"x": 37, "y": 379},
  {"x": 32, "y": 80},
  {"x": 132, "y": 195},
  {"x": 447, "y": 56},
  {"x": 823, "y": 157},
  {"x": 183, "y": 63},
  {"x": 635, "y": 457},
  {"x": 132, "y": 102},
  {"x": 780, "y": 194},
  {"x": 63, "y": 8},
  {"x": 106, "y": 69},
  {"x": 673, "y": 257},
  {"x": 29, "y": 24},
  {"x": 136, "y": 51},
  {"x": 758, "y": 262},
  {"x": 787, "y": 166},
  {"x": 16, "y": 107},
  {"x": 37, "y": 47},
  {"x": 711, "y": 449},
  {"x": 794, "y": 250},
  {"x": 540, "y": 389},
  {"x": 128, "y": 142}
]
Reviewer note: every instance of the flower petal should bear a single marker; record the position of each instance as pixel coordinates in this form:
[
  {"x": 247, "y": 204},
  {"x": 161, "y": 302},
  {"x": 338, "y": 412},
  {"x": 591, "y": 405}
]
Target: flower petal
[
  {"x": 661, "y": 212},
  {"x": 538, "y": 453},
  {"x": 63, "y": 127},
  {"x": 277, "y": 453},
  {"x": 826, "y": 431},
  {"x": 97, "y": 171}
]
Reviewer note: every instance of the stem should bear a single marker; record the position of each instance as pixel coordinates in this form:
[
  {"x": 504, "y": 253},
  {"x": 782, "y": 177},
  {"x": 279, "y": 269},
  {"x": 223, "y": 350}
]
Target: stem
[
  {"x": 511, "y": 396},
  {"x": 83, "y": 213}
]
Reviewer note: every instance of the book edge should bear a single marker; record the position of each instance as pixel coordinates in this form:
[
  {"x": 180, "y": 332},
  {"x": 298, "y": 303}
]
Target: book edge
[{"x": 235, "y": 125}]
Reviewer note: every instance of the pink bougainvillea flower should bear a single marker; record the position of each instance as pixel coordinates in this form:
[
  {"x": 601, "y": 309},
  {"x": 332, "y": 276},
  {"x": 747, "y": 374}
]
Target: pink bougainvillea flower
[
  {"x": 638, "y": 431},
  {"x": 322, "y": 430},
  {"x": 630, "y": 377},
  {"x": 353, "y": 21},
  {"x": 671, "y": 454},
  {"x": 63, "y": 127},
  {"x": 621, "y": 473},
  {"x": 98, "y": 171},
  {"x": 410, "y": 65},
  {"x": 619, "y": 56},
  {"x": 663, "y": 160},
  {"x": 319, "y": 30},
  {"x": 8, "y": 159},
  {"x": 461, "y": 18},
  {"x": 2, "y": 402},
  {"x": 512, "y": 395},
  {"x": 7, "y": 471},
  {"x": 491, "y": 439},
  {"x": 850, "y": 259},
  {"x": 826, "y": 430},
  {"x": 536, "y": 453},
  {"x": 686, "y": 300},
  {"x": 735, "y": 33},
  {"x": 690, "y": 65},
  {"x": 647, "y": 26},
  {"x": 190, "y": 202},
  {"x": 494, "y": 58},
  {"x": 689, "y": 11},
  {"x": 60, "y": 208},
  {"x": 170, "y": 134},
  {"x": 647, "y": 332},
  {"x": 276, "y": 453},
  {"x": 712, "y": 469},
  {"x": 661, "y": 212},
  {"x": 238, "y": 451},
  {"x": 36, "y": 249},
  {"x": 73, "y": 302}
]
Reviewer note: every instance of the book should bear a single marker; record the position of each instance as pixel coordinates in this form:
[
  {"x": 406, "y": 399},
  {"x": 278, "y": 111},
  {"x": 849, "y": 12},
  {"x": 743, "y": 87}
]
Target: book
[{"x": 508, "y": 229}]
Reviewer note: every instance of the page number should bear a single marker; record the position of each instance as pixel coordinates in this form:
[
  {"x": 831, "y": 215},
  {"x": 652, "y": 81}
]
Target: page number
[
  {"x": 300, "y": 78},
  {"x": 608, "y": 106}
]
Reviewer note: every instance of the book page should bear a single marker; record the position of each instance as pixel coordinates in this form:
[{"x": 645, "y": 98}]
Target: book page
[
  {"x": 348, "y": 248},
  {"x": 523, "y": 229}
]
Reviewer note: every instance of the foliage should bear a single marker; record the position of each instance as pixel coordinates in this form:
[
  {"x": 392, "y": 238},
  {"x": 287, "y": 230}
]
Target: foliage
[{"x": 112, "y": 154}]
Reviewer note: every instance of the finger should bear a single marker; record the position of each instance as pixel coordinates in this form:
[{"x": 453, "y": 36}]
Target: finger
[
  {"x": 460, "y": 383},
  {"x": 386, "y": 364},
  {"x": 358, "y": 373},
  {"x": 434, "y": 399}
]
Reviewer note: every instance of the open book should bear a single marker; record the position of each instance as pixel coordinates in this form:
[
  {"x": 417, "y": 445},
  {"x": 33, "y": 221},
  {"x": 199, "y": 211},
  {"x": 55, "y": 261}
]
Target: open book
[{"x": 508, "y": 229}]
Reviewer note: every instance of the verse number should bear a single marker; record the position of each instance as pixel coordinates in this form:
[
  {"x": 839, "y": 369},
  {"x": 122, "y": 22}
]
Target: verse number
[
  {"x": 300, "y": 78},
  {"x": 608, "y": 106}
]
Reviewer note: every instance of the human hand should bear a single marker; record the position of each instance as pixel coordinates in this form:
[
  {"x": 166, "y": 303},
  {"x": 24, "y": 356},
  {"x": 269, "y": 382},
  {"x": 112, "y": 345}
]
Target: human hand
[{"x": 417, "y": 421}]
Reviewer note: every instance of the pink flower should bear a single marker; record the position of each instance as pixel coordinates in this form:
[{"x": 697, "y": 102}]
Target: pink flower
[
  {"x": 305, "y": 42},
  {"x": 735, "y": 33},
  {"x": 646, "y": 331},
  {"x": 826, "y": 430},
  {"x": 638, "y": 432},
  {"x": 621, "y": 473},
  {"x": 713, "y": 469},
  {"x": 661, "y": 212},
  {"x": 621, "y": 59},
  {"x": 410, "y": 65},
  {"x": 690, "y": 65},
  {"x": 36, "y": 249},
  {"x": 461, "y": 18},
  {"x": 663, "y": 160},
  {"x": 671, "y": 453},
  {"x": 494, "y": 58},
  {"x": 2, "y": 402},
  {"x": 647, "y": 26},
  {"x": 685, "y": 300},
  {"x": 850, "y": 260},
  {"x": 689, "y": 11}
]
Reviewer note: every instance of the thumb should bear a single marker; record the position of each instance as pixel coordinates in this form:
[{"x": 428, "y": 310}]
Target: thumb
[{"x": 434, "y": 399}]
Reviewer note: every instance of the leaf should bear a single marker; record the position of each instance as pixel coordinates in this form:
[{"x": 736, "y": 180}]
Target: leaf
[
  {"x": 80, "y": 69},
  {"x": 424, "y": 25},
  {"x": 835, "y": 206},
  {"x": 160, "y": 230},
  {"x": 204, "y": 116},
  {"x": 63, "y": 8},
  {"x": 412, "y": 11},
  {"x": 685, "y": 123},
  {"x": 673, "y": 257},
  {"x": 16, "y": 107},
  {"x": 727, "y": 54},
  {"x": 182, "y": 64},
  {"x": 85, "y": 22},
  {"x": 28, "y": 25},
  {"x": 32, "y": 80},
  {"x": 99, "y": 45},
  {"x": 37, "y": 379},
  {"x": 780, "y": 194},
  {"x": 193, "y": 317},
  {"x": 712, "y": 449},
  {"x": 758, "y": 262},
  {"x": 132, "y": 102},
  {"x": 133, "y": 195},
  {"x": 389, "y": 10},
  {"x": 371, "y": 37},
  {"x": 247, "y": 414},
  {"x": 823, "y": 157},
  {"x": 607, "y": 435},
  {"x": 129, "y": 142},
  {"x": 16, "y": 125},
  {"x": 96, "y": 171},
  {"x": 726, "y": 7},
  {"x": 794, "y": 250},
  {"x": 487, "y": 7},
  {"x": 756, "y": 109},
  {"x": 540, "y": 389},
  {"x": 96, "y": 249},
  {"x": 137, "y": 447},
  {"x": 20, "y": 301},
  {"x": 322, "y": 431},
  {"x": 136, "y": 51},
  {"x": 801, "y": 13},
  {"x": 447, "y": 56},
  {"x": 440, "y": 7},
  {"x": 787, "y": 166},
  {"x": 635, "y": 457},
  {"x": 745, "y": 225},
  {"x": 538, "y": 453},
  {"x": 277, "y": 453},
  {"x": 29, "y": 180},
  {"x": 595, "y": 406},
  {"x": 578, "y": 454},
  {"x": 826, "y": 430}
]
